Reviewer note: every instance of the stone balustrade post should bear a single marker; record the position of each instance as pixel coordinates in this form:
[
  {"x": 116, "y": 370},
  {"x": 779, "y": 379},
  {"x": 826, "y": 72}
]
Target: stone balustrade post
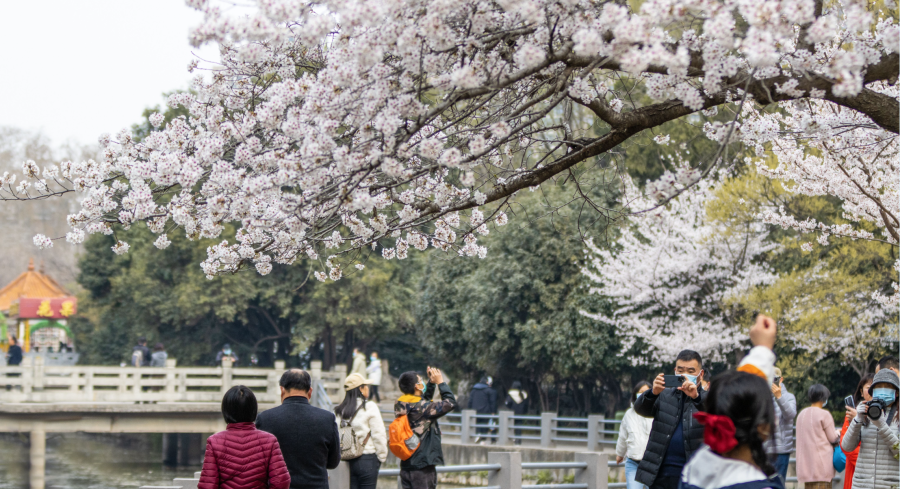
[
  {"x": 510, "y": 474},
  {"x": 504, "y": 424},
  {"x": 548, "y": 425},
  {"x": 38, "y": 375},
  {"x": 226, "y": 374},
  {"x": 88, "y": 391},
  {"x": 596, "y": 475},
  {"x": 595, "y": 422},
  {"x": 28, "y": 380},
  {"x": 465, "y": 435},
  {"x": 315, "y": 370},
  {"x": 171, "y": 379}
]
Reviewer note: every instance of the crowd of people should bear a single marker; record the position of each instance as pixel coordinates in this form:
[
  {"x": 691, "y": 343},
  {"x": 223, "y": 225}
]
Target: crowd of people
[{"x": 685, "y": 431}]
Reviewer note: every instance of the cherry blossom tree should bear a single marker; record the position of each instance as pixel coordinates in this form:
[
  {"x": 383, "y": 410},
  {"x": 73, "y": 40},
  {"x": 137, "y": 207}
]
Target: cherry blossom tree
[
  {"x": 821, "y": 149},
  {"x": 333, "y": 126},
  {"x": 675, "y": 276}
]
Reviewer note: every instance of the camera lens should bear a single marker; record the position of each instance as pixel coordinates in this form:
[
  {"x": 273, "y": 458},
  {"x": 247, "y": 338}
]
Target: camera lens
[{"x": 874, "y": 411}]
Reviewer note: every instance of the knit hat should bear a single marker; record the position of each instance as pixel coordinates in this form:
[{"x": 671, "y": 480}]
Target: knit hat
[
  {"x": 885, "y": 375},
  {"x": 355, "y": 380}
]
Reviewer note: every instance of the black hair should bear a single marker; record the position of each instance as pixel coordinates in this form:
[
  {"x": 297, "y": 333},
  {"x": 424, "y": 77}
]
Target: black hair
[
  {"x": 347, "y": 408},
  {"x": 239, "y": 405},
  {"x": 295, "y": 379},
  {"x": 516, "y": 385},
  {"x": 889, "y": 361},
  {"x": 13, "y": 340},
  {"x": 858, "y": 393},
  {"x": 688, "y": 355},
  {"x": 407, "y": 382},
  {"x": 747, "y": 400},
  {"x": 818, "y": 393},
  {"x": 159, "y": 347},
  {"x": 484, "y": 379},
  {"x": 142, "y": 340},
  {"x": 637, "y": 388}
]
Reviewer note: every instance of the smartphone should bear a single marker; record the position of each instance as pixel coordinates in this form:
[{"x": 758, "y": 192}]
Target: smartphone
[
  {"x": 674, "y": 380},
  {"x": 848, "y": 401}
]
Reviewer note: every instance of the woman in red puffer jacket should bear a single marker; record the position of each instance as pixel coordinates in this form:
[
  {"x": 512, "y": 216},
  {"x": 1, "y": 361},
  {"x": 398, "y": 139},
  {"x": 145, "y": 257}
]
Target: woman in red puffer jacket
[{"x": 242, "y": 457}]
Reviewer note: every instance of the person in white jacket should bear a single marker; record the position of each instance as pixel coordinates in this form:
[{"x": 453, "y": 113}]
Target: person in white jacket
[
  {"x": 367, "y": 425},
  {"x": 634, "y": 432},
  {"x": 374, "y": 373}
]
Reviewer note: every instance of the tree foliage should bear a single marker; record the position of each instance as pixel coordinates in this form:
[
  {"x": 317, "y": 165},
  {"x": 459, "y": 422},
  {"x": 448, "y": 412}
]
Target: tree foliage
[{"x": 515, "y": 314}]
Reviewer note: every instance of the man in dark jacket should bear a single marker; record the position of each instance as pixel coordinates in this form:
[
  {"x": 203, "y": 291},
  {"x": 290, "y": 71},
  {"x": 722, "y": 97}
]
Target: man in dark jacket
[
  {"x": 14, "y": 355},
  {"x": 418, "y": 472},
  {"x": 308, "y": 436},
  {"x": 675, "y": 434},
  {"x": 483, "y": 399}
]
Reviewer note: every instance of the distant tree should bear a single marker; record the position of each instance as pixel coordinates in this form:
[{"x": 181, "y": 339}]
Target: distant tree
[{"x": 515, "y": 314}]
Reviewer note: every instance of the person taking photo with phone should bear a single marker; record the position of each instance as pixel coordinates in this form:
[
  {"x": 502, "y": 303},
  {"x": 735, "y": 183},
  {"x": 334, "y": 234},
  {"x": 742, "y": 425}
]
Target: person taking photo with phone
[
  {"x": 675, "y": 435},
  {"x": 780, "y": 445}
]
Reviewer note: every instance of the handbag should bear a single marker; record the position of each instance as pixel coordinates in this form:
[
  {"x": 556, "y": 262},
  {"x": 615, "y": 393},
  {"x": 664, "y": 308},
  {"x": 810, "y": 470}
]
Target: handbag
[
  {"x": 839, "y": 460},
  {"x": 350, "y": 446}
]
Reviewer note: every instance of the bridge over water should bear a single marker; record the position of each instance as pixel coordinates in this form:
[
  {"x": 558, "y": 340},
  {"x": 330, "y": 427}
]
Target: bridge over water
[{"x": 184, "y": 402}]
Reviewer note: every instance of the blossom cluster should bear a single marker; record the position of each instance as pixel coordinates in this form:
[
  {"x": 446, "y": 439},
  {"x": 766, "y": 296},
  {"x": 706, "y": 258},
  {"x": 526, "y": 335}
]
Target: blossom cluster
[
  {"x": 672, "y": 276},
  {"x": 336, "y": 126}
]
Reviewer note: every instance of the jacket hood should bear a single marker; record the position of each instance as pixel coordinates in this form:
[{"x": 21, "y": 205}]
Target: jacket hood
[
  {"x": 480, "y": 385},
  {"x": 708, "y": 469}
]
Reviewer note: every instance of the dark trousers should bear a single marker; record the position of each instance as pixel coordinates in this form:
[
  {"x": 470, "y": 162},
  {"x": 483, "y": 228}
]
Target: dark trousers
[
  {"x": 482, "y": 424},
  {"x": 364, "y": 471},
  {"x": 373, "y": 393},
  {"x": 666, "y": 482},
  {"x": 781, "y": 464},
  {"x": 419, "y": 479}
]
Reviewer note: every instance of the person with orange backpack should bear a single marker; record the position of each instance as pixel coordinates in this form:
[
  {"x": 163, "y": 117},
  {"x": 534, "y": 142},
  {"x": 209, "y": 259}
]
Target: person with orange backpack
[{"x": 415, "y": 437}]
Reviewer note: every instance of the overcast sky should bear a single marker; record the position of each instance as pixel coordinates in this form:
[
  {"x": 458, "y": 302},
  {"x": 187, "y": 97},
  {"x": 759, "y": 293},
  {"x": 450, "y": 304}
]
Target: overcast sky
[{"x": 76, "y": 69}]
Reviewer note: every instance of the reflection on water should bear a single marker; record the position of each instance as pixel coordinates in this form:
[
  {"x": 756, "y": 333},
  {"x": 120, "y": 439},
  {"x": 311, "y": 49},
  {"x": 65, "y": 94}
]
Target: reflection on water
[{"x": 89, "y": 461}]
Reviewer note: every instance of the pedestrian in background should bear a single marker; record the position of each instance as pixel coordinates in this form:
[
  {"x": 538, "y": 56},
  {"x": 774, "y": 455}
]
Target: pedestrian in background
[
  {"x": 363, "y": 435},
  {"x": 140, "y": 354},
  {"x": 159, "y": 356},
  {"x": 816, "y": 439},
  {"x": 483, "y": 399},
  {"x": 634, "y": 432},
  {"x": 861, "y": 394},
  {"x": 876, "y": 438},
  {"x": 517, "y": 401},
  {"x": 226, "y": 352},
  {"x": 308, "y": 436},
  {"x": 359, "y": 363},
  {"x": 14, "y": 354},
  {"x": 780, "y": 445},
  {"x": 242, "y": 457},
  {"x": 374, "y": 374}
]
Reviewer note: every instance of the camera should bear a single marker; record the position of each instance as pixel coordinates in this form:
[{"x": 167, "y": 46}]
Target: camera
[{"x": 875, "y": 408}]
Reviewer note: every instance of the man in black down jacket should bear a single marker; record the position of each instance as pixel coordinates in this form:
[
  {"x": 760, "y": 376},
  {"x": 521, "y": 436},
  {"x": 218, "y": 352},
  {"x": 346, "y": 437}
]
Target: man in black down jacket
[
  {"x": 675, "y": 434},
  {"x": 308, "y": 436}
]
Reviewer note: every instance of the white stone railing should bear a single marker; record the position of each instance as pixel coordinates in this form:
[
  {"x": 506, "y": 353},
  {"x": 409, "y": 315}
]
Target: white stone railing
[{"x": 37, "y": 382}]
